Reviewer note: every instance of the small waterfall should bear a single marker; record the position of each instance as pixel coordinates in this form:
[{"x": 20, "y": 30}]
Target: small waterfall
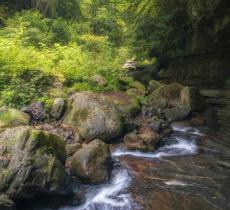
[{"x": 114, "y": 195}]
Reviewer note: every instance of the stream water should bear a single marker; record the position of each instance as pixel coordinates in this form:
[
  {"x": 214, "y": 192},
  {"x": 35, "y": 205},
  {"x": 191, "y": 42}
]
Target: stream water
[{"x": 190, "y": 170}]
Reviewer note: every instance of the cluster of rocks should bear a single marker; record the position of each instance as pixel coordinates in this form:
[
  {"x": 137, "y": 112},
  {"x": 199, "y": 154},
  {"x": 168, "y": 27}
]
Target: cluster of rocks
[{"x": 48, "y": 158}]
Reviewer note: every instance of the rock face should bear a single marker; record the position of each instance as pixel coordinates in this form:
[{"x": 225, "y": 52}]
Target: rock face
[
  {"x": 190, "y": 96},
  {"x": 36, "y": 111},
  {"x": 58, "y": 108},
  {"x": 146, "y": 140},
  {"x": 92, "y": 162},
  {"x": 205, "y": 58},
  {"x": 12, "y": 117},
  {"x": 177, "y": 113},
  {"x": 95, "y": 116},
  {"x": 31, "y": 162}
]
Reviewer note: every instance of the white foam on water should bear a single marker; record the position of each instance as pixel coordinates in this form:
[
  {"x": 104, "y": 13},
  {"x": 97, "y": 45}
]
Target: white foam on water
[
  {"x": 175, "y": 183},
  {"x": 181, "y": 147},
  {"x": 112, "y": 196},
  {"x": 189, "y": 130}
]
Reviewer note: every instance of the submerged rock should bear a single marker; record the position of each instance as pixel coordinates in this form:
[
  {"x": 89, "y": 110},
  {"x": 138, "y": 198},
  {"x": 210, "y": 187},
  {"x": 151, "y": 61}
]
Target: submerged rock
[
  {"x": 146, "y": 140},
  {"x": 95, "y": 116},
  {"x": 58, "y": 108},
  {"x": 31, "y": 162},
  {"x": 91, "y": 163},
  {"x": 12, "y": 117}
]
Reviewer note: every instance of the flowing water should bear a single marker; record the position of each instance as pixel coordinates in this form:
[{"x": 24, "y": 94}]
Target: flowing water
[{"x": 190, "y": 170}]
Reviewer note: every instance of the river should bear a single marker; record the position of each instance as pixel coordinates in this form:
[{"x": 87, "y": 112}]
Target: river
[{"x": 190, "y": 170}]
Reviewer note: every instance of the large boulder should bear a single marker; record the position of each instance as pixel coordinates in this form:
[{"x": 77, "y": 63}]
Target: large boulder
[
  {"x": 154, "y": 85},
  {"x": 145, "y": 140},
  {"x": 136, "y": 89},
  {"x": 58, "y": 108},
  {"x": 94, "y": 115},
  {"x": 177, "y": 113},
  {"x": 12, "y": 117},
  {"x": 171, "y": 93},
  {"x": 190, "y": 96},
  {"x": 91, "y": 163},
  {"x": 31, "y": 162}
]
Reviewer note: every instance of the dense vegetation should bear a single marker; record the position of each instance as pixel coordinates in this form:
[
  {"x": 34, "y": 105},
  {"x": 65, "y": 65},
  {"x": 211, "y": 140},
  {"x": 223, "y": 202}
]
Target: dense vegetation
[{"x": 54, "y": 47}]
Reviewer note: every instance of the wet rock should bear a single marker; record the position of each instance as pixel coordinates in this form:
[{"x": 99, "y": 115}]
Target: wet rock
[
  {"x": 31, "y": 161},
  {"x": 58, "y": 108},
  {"x": 36, "y": 111},
  {"x": 12, "y": 117},
  {"x": 156, "y": 126},
  {"x": 190, "y": 96},
  {"x": 6, "y": 203},
  {"x": 198, "y": 121},
  {"x": 99, "y": 80},
  {"x": 177, "y": 113},
  {"x": 91, "y": 163},
  {"x": 211, "y": 118},
  {"x": 146, "y": 140},
  {"x": 94, "y": 116}
]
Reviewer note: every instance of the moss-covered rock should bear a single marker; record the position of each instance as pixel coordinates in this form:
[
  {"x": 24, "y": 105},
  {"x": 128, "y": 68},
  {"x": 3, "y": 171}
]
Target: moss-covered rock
[
  {"x": 31, "y": 162},
  {"x": 6, "y": 203},
  {"x": 94, "y": 116},
  {"x": 10, "y": 117},
  {"x": 136, "y": 89},
  {"x": 127, "y": 105},
  {"x": 91, "y": 163}
]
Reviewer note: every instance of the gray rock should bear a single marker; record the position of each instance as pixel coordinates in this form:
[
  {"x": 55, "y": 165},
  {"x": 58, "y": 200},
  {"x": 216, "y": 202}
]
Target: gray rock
[
  {"x": 36, "y": 111},
  {"x": 91, "y": 163},
  {"x": 94, "y": 116},
  {"x": 58, "y": 108},
  {"x": 177, "y": 113}
]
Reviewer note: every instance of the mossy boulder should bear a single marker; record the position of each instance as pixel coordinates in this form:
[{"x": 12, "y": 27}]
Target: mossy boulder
[
  {"x": 31, "y": 162},
  {"x": 58, "y": 108},
  {"x": 177, "y": 113},
  {"x": 170, "y": 92},
  {"x": 91, "y": 163},
  {"x": 10, "y": 117},
  {"x": 94, "y": 116},
  {"x": 127, "y": 105},
  {"x": 136, "y": 89},
  {"x": 154, "y": 85}
]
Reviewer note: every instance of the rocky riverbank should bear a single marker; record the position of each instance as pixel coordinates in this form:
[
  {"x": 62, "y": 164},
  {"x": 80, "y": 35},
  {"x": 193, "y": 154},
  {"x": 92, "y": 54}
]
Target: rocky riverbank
[{"x": 55, "y": 155}]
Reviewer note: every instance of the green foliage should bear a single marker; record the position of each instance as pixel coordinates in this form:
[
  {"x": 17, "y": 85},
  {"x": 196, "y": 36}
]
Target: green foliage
[{"x": 35, "y": 52}]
